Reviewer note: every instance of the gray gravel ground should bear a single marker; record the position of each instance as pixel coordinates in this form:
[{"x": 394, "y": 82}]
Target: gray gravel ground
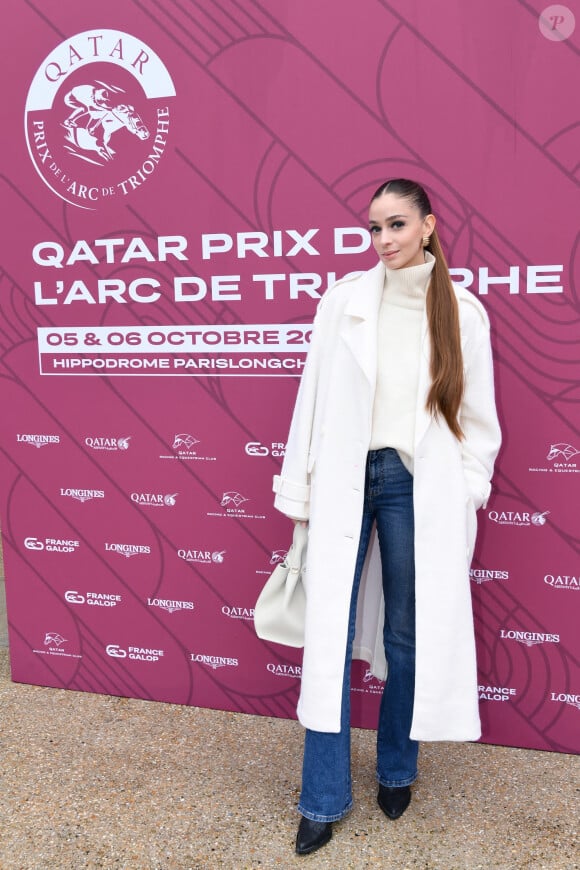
[{"x": 91, "y": 781}]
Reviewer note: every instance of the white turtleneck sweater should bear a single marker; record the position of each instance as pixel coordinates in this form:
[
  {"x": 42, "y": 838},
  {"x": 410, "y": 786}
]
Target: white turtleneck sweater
[{"x": 399, "y": 354}]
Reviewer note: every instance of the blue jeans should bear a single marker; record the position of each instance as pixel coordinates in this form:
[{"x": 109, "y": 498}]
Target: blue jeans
[{"x": 326, "y": 778}]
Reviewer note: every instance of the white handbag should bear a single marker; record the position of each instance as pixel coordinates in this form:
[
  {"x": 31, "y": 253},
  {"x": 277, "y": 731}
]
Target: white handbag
[{"x": 281, "y": 606}]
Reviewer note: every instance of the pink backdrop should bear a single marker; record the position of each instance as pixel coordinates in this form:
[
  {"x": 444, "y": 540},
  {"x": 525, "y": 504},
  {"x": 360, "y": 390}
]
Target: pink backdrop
[{"x": 180, "y": 183}]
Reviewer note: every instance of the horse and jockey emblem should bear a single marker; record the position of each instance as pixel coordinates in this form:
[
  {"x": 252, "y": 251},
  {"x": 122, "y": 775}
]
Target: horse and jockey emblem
[
  {"x": 95, "y": 116},
  {"x": 562, "y": 451},
  {"x": 98, "y": 117}
]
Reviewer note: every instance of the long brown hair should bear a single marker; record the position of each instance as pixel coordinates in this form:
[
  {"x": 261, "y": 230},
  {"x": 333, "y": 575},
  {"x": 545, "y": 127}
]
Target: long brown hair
[{"x": 446, "y": 365}]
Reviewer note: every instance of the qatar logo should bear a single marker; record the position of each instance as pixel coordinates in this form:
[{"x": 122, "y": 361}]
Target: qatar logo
[
  {"x": 369, "y": 684},
  {"x": 99, "y": 443},
  {"x": 562, "y": 450},
  {"x": 563, "y": 581},
  {"x": 562, "y": 458},
  {"x": 204, "y": 557},
  {"x": 232, "y": 498},
  {"x": 97, "y": 117},
  {"x": 293, "y": 671},
  {"x": 518, "y": 518},
  {"x": 278, "y": 557},
  {"x": 238, "y": 612},
  {"x": 53, "y": 638},
  {"x": 154, "y": 499},
  {"x": 184, "y": 441}
]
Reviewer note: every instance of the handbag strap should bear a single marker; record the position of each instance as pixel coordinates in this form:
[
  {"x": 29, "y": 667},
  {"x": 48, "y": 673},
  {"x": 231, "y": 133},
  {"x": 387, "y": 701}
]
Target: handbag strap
[{"x": 294, "y": 556}]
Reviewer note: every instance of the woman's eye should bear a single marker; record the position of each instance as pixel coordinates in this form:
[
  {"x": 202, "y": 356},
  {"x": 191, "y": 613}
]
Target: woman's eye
[{"x": 396, "y": 225}]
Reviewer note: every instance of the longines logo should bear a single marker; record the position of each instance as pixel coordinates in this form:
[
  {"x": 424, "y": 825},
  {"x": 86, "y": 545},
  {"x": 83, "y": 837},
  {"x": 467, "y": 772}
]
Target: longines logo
[
  {"x": 562, "y": 581},
  {"x": 154, "y": 499},
  {"x": 169, "y": 604},
  {"x": 529, "y": 638},
  {"x": 518, "y": 518},
  {"x": 38, "y": 440},
  {"x": 52, "y": 545},
  {"x": 128, "y": 550},
  {"x": 484, "y": 575},
  {"x": 562, "y": 458},
  {"x": 97, "y": 117},
  {"x": 100, "y": 443},
  {"x": 202, "y": 557},
  {"x": 92, "y": 599},
  {"x": 565, "y": 698},
  {"x": 214, "y": 662},
  {"x": 82, "y": 495}
]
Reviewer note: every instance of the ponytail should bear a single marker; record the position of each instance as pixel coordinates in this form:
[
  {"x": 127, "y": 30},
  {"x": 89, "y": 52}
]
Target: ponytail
[{"x": 446, "y": 364}]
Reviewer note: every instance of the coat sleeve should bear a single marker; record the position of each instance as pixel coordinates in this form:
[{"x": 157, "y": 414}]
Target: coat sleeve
[
  {"x": 292, "y": 485},
  {"x": 478, "y": 415}
]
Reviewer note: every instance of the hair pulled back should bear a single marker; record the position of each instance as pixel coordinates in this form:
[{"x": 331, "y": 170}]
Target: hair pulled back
[{"x": 446, "y": 364}]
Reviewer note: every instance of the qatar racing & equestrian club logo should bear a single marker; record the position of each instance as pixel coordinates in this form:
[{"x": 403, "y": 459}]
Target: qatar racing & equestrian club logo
[{"x": 97, "y": 117}]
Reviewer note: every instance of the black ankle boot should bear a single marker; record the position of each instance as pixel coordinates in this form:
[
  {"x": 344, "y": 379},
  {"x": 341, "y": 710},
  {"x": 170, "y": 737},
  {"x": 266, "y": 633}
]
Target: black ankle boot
[
  {"x": 394, "y": 801},
  {"x": 312, "y": 836}
]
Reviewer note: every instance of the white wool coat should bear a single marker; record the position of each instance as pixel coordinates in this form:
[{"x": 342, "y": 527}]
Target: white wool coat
[{"x": 322, "y": 480}]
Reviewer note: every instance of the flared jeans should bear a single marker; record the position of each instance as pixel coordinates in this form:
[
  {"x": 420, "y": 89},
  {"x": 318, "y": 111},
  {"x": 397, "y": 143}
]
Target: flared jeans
[{"x": 326, "y": 775}]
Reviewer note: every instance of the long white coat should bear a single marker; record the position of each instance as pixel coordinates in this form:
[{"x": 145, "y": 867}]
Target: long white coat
[{"x": 322, "y": 480}]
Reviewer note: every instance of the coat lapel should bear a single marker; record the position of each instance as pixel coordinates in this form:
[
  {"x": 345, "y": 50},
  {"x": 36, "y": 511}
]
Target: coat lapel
[{"x": 359, "y": 327}]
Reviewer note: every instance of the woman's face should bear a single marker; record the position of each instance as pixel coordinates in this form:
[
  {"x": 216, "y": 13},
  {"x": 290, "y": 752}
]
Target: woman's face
[{"x": 397, "y": 231}]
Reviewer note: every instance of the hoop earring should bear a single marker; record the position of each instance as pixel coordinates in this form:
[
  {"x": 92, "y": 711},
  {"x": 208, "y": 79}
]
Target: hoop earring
[{"x": 426, "y": 240}]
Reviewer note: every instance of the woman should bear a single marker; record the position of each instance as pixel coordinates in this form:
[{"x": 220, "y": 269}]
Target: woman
[{"x": 390, "y": 453}]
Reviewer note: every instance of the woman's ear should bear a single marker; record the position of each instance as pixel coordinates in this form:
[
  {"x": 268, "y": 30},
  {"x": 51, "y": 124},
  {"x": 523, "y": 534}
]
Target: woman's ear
[{"x": 429, "y": 224}]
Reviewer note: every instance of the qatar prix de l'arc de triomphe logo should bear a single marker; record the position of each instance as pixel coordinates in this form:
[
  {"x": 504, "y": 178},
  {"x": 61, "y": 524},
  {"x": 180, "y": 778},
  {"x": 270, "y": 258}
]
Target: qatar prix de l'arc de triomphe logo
[{"x": 98, "y": 117}]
